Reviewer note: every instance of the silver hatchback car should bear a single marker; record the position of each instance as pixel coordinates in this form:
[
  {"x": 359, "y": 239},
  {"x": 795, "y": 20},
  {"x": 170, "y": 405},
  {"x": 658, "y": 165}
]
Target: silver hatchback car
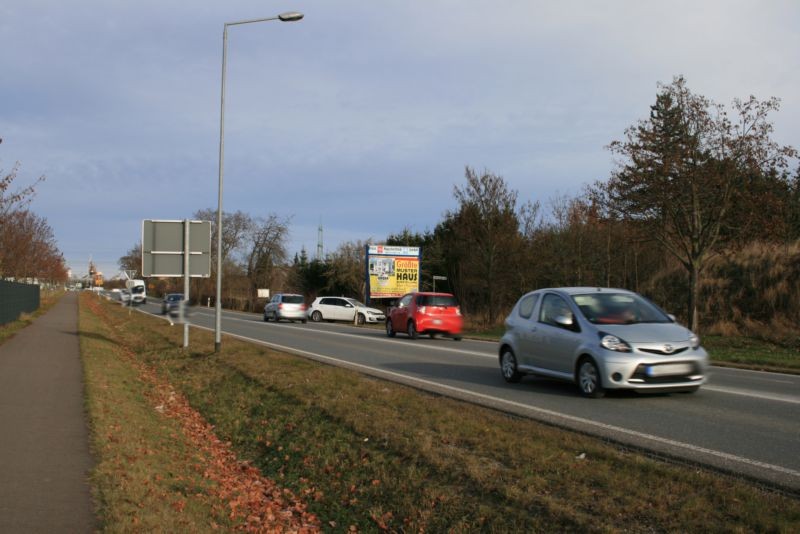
[
  {"x": 600, "y": 338},
  {"x": 287, "y": 306}
]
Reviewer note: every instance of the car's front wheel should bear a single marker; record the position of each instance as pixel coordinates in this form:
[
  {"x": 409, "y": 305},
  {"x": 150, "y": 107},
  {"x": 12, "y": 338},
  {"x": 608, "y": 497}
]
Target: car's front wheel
[
  {"x": 266, "y": 317},
  {"x": 360, "y": 320},
  {"x": 589, "y": 380},
  {"x": 316, "y": 316},
  {"x": 508, "y": 367},
  {"x": 389, "y": 329}
]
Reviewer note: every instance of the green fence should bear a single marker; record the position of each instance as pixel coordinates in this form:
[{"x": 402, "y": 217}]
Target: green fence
[{"x": 17, "y": 298}]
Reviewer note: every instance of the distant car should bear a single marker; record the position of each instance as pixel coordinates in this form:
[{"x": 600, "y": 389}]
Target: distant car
[
  {"x": 289, "y": 306},
  {"x": 171, "y": 303},
  {"x": 425, "y": 313},
  {"x": 343, "y": 309},
  {"x": 125, "y": 296},
  {"x": 600, "y": 338}
]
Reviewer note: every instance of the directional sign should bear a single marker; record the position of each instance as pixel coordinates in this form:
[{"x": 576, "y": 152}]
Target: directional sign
[{"x": 163, "y": 248}]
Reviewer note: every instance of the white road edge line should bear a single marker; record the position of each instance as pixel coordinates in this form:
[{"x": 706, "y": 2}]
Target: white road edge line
[
  {"x": 745, "y": 393},
  {"x": 634, "y": 433}
]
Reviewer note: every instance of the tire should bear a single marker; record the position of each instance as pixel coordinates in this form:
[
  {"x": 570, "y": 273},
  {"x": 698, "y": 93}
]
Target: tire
[
  {"x": 457, "y": 338},
  {"x": 508, "y": 367},
  {"x": 434, "y": 335},
  {"x": 266, "y": 317},
  {"x": 275, "y": 317},
  {"x": 360, "y": 320},
  {"x": 316, "y": 316},
  {"x": 389, "y": 330},
  {"x": 412, "y": 330},
  {"x": 589, "y": 381},
  {"x": 303, "y": 321}
]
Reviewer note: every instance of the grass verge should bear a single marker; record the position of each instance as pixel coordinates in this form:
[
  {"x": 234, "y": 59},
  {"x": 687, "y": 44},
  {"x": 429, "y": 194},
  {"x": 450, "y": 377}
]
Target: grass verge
[
  {"x": 370, "y": 455},
  {"x": 47, "y": 300},
  {"x": 159, "y": 466},
  {"x": 749, "y": 353}
]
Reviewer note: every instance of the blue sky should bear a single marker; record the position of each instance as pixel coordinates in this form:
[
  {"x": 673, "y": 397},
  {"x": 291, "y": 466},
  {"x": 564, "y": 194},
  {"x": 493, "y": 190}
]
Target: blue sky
[{"x": 362, "y": 115}]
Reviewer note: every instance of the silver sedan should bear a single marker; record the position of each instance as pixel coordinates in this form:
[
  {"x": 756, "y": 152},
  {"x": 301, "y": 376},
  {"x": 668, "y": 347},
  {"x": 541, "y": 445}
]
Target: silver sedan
[{"x": 600, "y": 338}]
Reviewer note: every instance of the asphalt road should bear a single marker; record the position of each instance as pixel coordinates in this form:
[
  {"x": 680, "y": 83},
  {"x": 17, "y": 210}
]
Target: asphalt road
[{"x": 743, "y": 422}]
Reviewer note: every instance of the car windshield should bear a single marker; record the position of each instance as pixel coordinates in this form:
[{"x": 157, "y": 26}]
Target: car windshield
[
  {"x": 437, "y": 300},
  {"x": 292, "y": 299},
  {"x": 356, "y": 303},
  {"x": 175, "y": 296},
  {"x": 618, "y": 308},
  {"x": 137, "y": 289}
]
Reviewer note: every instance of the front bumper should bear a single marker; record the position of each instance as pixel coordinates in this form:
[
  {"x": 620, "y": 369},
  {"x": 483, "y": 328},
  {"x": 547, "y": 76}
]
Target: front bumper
[{"x": 645, "y": 371}]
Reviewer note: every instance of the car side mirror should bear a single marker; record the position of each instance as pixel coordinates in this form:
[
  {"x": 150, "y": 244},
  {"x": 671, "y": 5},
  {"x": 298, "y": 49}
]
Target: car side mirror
[{"x": 672, "y": 318}]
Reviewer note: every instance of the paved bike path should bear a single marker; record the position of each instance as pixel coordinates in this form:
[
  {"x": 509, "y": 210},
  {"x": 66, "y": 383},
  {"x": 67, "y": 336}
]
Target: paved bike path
[{"x": 44, "y": 438}]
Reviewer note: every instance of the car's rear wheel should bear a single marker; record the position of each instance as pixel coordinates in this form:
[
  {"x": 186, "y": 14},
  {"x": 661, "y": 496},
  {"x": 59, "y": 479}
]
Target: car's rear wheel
[
  {"x": 412, "y": 330},
  {"x": 589, "y": 380},
  {"x": 389, "y": 329},
  {"x": 457, "y": 338},
  {"x": 266, "y": 317},
  {"x": 275, "y": 317},
  {"x": 360, "y": 320},
  {"x": 508, "y": 367},
  {"x": 316, "y": 316}
]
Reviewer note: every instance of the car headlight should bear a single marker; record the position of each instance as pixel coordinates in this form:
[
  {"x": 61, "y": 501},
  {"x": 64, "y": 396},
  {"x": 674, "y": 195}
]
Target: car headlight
[
  {"x": 614, "y": 343},
  {"x": 694, "y": 340}
]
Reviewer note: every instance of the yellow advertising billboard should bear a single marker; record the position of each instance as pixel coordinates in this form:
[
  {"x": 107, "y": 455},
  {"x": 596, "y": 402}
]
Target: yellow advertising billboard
[{"x": 392, "y": 271}]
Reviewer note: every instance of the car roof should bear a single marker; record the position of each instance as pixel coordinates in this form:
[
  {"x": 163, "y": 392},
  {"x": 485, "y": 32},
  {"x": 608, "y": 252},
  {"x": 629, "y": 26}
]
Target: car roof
[{"x": 582, "y": 290}]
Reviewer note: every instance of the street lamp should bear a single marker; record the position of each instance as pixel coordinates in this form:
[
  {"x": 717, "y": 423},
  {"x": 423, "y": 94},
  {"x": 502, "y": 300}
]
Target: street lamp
[{"x": 290, "y": 16}]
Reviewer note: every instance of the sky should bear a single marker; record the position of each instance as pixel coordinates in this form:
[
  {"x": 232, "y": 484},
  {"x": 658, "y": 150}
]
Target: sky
[{"x": 362, "y": 116}]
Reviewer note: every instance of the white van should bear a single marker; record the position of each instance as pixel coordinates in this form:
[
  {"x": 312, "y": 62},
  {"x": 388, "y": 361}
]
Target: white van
[{"x": 138, "y": 292}]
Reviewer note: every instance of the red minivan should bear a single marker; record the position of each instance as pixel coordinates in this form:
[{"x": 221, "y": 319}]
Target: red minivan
[{"x": 425, "y": 313}]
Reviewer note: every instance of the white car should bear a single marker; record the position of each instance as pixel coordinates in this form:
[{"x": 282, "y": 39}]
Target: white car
[{"x": 343, "y": 309}]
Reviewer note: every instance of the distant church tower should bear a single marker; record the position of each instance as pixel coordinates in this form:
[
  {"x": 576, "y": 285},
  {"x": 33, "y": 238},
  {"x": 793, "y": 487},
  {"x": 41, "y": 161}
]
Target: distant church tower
[{"x": 319, "y": 242}]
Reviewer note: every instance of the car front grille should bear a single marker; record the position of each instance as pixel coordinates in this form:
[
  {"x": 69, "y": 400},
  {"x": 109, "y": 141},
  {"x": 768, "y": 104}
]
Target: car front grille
[{"x": 664, "y": 353}]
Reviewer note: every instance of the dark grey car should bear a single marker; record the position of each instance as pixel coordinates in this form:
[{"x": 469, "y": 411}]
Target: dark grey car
[{"x": 600, "y": 338}]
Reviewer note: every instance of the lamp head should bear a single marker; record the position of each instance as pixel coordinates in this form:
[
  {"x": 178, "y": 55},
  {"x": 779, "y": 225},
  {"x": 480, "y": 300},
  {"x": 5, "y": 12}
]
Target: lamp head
[{"x": 290, "y": 16}]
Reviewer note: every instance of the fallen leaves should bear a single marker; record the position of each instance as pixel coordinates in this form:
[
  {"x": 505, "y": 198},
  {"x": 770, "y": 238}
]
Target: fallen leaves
[{"x": 253, "y": 503}]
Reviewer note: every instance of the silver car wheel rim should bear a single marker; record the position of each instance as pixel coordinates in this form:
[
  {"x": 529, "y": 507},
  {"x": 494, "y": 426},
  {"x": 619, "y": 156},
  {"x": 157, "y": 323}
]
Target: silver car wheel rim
[
  {"x": 508, "y": 365},
  {"x": 588, "y": 378}
]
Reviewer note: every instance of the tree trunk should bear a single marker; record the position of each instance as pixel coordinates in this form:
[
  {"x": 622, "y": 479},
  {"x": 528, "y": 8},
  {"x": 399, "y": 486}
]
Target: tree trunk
[{"x": 694, "y": 293}]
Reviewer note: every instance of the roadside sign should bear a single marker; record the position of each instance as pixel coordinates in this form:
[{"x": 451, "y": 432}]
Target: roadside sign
[{"x": 163, "y": 246}]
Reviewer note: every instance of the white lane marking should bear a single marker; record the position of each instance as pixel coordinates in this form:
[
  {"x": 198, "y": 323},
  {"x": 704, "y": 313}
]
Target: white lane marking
[
  {"x": 716, "y": 389},
  {"x": 543, "y": 411},
  {"x": 753, "y": 394},
  {"x": 387, "y": 340}
]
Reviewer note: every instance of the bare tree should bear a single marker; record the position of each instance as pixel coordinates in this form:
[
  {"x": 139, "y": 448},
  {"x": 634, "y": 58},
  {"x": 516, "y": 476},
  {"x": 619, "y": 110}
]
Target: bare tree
[{"x": 267, "y": 250}]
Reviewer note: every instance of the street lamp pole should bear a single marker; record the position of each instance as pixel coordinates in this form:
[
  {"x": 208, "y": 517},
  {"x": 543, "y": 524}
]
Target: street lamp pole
[{"x": 283, "y": 17}]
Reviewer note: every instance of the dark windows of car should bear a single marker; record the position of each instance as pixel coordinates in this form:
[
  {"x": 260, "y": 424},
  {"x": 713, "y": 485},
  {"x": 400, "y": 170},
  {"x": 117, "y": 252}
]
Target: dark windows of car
[
  {"x": 442, "y": 301},
  {"x": 405, "y": 301},
  {"x": 173, "y": 297},
  {"x": 618, "y": 308},
  {"x": 292, "y": 299},
  {"x": 526, "y": 305},
  {"x": 556, "y": 312}
]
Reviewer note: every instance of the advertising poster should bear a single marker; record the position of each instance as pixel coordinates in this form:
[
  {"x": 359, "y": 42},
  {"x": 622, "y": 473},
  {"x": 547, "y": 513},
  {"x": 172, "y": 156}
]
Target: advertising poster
[{"x": 392, "y": 271}]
